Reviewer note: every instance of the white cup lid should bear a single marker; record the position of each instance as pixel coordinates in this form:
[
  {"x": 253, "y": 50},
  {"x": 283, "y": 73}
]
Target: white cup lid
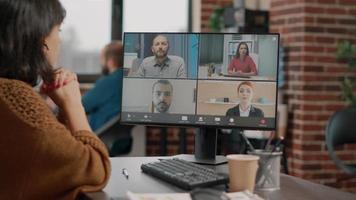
[{"x": 242, "y": 157}]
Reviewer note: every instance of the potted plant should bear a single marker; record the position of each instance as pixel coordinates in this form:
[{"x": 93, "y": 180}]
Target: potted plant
[
  {"x": 341, "y": 127},
  {"x": 346, "y": 51},
  {"x": 216, "y": 21}
]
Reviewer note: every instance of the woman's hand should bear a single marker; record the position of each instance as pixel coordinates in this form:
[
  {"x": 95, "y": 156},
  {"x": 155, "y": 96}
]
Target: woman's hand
[
  {"x": 64, "y": 90},
  {"x": 62, "y": 77},
  {"x": 65, "y": 93},
  {"x": 234, "y": 72}
]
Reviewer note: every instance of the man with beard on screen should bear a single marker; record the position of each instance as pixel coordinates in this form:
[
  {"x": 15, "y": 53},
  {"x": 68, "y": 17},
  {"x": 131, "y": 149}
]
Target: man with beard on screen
[
  {"x": 162, "y": 92},
  {"x": 161, "y": 64}
]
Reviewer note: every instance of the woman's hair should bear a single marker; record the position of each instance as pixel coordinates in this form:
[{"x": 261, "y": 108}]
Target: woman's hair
[
  {"x": 237, "y": 55},
  {"x": 24, "y": 25},
  {"x": 249, "y": 83}
]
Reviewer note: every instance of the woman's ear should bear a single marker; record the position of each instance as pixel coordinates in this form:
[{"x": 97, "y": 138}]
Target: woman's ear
[{"x": 45, "y": 47}]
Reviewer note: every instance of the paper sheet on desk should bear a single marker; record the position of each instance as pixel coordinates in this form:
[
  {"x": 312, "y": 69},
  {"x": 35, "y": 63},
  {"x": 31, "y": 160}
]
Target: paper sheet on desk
[
  {"x": 158, "y": 196},
  {"x": 245, "y": 195}
]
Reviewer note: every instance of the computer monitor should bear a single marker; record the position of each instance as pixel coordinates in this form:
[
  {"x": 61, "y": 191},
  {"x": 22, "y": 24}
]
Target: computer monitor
[{"x": 204, "y": 80}]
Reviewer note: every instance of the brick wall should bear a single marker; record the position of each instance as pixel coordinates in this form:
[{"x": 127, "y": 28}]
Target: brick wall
[
  {"x": 154, "y": 136},
  {"x": 310, "y": 31}
]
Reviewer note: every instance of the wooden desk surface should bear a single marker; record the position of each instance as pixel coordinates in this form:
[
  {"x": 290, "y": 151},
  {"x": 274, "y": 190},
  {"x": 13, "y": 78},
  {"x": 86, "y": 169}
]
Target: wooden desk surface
[{"x": 292, "y": 188}]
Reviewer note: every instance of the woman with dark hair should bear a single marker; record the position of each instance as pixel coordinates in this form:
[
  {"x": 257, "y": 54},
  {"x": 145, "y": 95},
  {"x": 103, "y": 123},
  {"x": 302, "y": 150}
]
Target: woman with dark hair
[
  {"x": 242, "y": 63},
  {"x": 41, "y": 157},
  {"x": 244, "y": 108}
]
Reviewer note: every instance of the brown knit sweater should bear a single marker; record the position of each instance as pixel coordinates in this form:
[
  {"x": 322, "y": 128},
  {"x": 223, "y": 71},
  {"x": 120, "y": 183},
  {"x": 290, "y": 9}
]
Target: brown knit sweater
[{"x": 39, "y": 157}]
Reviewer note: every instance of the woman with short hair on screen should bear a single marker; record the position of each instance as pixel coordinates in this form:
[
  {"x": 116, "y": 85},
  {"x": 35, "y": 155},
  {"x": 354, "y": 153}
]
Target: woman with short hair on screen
[
  {"x": 41, "y": 157},
  {"x": 244, "y": 108},
  {"x": 242, "y": 64}
]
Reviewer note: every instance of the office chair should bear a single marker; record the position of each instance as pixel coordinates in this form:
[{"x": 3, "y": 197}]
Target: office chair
[
  {"x": 340, "y": 130},
  {"x": 116, "y": 137}
]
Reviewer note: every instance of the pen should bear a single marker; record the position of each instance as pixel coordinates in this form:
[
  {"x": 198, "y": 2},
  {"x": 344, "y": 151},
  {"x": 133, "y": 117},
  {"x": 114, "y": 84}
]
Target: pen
[
  {"x": 268, "y": 145},
  {"x": 125, "y": 173}
]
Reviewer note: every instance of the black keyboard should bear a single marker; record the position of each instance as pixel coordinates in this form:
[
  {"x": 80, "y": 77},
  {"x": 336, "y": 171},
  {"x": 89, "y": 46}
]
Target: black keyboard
[{"x": 184, "y": 174}]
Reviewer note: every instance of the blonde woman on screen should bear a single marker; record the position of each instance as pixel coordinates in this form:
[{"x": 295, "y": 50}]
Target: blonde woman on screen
[{"x": 244, "y": 108}]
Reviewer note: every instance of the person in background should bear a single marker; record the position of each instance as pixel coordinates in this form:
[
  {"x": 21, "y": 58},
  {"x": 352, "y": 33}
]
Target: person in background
[
  {"x": 42, "y": 158},
  {"x": 244, "y": 108},
  {"x": 162, "y": 92},
  {"x": 242, "y": 63},
  {"x": 103, "y": 101},
  {"x": 162, "y": 65}
]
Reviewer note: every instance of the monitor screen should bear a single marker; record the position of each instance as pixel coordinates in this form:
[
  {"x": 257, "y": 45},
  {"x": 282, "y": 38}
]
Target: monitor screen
[{"x": 200, "y": 79}]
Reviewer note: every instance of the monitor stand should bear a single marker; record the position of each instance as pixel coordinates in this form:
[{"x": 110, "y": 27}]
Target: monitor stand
[{"x": 205, "y": 148}]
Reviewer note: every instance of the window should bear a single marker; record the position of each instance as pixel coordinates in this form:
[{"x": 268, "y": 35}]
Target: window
[
  {"x": 156, "y": 15},
  {"x": 85, "y": 31}
]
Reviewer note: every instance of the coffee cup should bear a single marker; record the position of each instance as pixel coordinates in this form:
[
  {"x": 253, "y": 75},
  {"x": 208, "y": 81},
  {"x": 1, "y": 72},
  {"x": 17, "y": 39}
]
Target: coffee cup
[{"x": 242, "y": 172}]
